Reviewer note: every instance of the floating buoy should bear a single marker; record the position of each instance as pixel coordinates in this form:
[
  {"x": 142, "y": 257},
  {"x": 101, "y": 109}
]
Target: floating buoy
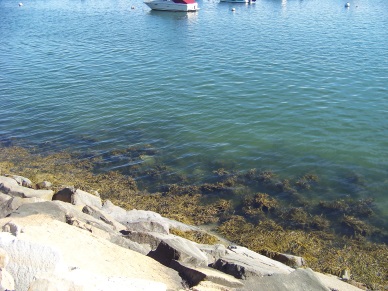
[
  {"x": 20, "y": 4},
  {"x": 233, "y": 9},
  {"x": 347, "y": 5},
  {"x": 132, "y": 7}
]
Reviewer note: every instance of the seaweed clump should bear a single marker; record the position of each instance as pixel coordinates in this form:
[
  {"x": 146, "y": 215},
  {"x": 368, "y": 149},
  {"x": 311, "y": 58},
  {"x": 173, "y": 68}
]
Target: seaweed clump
[
  {"x": 322, "y": 251},
  {"x": 332, "y": 236},
  {"x": 361, "y": 207}
]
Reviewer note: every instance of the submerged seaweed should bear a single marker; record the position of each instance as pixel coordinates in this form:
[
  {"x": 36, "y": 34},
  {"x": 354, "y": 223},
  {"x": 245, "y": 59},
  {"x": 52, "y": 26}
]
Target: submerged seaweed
[{"x": 257, "y": 209}]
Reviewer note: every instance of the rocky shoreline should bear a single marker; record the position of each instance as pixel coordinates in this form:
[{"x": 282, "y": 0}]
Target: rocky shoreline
[{"x": 70, "y": 240}]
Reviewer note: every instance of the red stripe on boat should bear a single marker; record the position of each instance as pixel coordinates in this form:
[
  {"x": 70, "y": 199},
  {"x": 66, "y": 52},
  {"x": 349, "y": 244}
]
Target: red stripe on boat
[{"x": 184, "y": 1}]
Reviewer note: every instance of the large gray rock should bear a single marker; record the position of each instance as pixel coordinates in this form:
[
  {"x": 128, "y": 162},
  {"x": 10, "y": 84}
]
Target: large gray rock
[
  {"x": 28, "y": 259},
  {"x": 78, "y": 197},
  {"x": 194, "y": 275},
  {"x": 299, "y": 280},
  {"x": 4, "y": 198},
  {"x": 243, "y": 263},
  {"x": 166, "y": 248},
  {"x": 67, "y": 213},
  {"x": 144, "y": 221},
  {"x": 98, "y": 214},
  {"x": 81, "y": 250},
  {"x": 61, "y": 211},
  {"x": 10, "y": 187},
  {"x": 213, "y": 252},
  {"x": 14, "y": 203},
  {"x": 334, "y": 283},
  {"x": 82, "y": 280},
  {"x": 22, "y": 181}
]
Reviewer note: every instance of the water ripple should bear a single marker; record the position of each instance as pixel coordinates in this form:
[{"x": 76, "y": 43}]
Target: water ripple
[{"x": 291, "y": 85}]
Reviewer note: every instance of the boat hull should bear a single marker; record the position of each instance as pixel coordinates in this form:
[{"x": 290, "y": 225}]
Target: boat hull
[{"x": 171, "y": 6}]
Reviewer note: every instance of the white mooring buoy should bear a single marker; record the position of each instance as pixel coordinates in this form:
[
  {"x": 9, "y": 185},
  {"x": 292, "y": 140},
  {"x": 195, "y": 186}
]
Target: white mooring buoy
[{"x": 347, "y": 5}]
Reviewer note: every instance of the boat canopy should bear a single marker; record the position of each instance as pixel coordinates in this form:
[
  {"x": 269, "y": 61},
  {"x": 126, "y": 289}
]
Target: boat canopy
[{"x": 184, "y": 1}]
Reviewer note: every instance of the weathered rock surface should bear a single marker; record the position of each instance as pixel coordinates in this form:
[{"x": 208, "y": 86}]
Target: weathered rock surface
[
  {"x": 166, "y": 248},
  {"x": 299, "y": 280},
  {"x": 243, "y": 263},
  {"x": 210, "y": 286},
  {"x": 144, "y": 221},
  {"x": 6, "y": 280},
  {"x": 194, "y": 275},
  {"x": 213, "y": 252},
  {"x": 14, "y": 203},
  {"x": 77, "y": 197},
  {"x": 22, "y": 181},
  {"x": 27, "y": 258},
  {"x": 77, "y": 249},
  {"x": 98, "y": 214},
  {"x": 334, "y": 283},
  {"x": 10, "y": 187},
  {"x": 78, "y": 279},
  {"x": 67, "y": 213}
]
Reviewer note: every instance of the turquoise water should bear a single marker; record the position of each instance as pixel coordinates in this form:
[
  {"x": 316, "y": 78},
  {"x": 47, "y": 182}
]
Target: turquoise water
[{"x": 293, "y": 86}]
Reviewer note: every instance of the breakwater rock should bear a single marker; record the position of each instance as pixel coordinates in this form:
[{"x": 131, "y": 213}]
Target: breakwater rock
[{"x": 71, "y": 240}]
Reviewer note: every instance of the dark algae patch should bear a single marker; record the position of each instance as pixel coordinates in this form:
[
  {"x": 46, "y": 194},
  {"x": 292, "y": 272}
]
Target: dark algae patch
[{"x": 255, "y": 208}]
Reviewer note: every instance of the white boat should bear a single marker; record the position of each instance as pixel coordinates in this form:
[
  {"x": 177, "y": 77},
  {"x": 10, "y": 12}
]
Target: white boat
[{"x": 173, "y": 5}]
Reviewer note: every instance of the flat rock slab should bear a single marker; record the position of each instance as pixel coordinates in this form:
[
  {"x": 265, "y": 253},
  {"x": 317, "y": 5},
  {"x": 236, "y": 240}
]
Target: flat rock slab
[
  {"x": 243, "y": 263},
  {"x": 80, "y": 249},
  {"x": 28, "y": 258},
  {"x": 299, "y": 280},
  {"x": 168, "y": 247},
  {"x": 10, "y": 187},
  {"x": 214, "y": 252},
  {"x": 195, "y": 275},
  {"x": 334, "y": 283},
  {"x": 99, "y": 224},
  {"x": 144, "y": 221},
  {"x": 9, "y": 206},
  {"x": 81, "y": 280},
  {"x": 61, "y": 211},
  {"x": 210, "y": 286}
]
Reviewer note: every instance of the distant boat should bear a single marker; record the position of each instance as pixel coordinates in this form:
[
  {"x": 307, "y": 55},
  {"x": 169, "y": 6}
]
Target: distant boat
[
  {"x": 238, "y": 1},
  {"x": 173, "y": 5}
]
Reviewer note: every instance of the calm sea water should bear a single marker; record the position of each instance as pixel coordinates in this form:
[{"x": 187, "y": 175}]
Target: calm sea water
[{"x": 298, "y": 86}]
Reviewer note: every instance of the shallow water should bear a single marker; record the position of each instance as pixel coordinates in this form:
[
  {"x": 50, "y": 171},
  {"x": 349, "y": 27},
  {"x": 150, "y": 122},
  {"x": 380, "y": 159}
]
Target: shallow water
[{"x": 293, "y": 86}]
